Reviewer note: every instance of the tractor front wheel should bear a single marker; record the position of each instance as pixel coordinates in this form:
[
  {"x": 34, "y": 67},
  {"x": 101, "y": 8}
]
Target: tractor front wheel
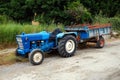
[
  {"x": 67, "y": 46},
  {"x": 36, "y": 57},
  {"x": 16, "y": 52}
]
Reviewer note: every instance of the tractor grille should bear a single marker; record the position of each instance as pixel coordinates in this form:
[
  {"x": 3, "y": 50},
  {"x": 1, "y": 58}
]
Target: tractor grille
[{"x": 20, "y": 44}]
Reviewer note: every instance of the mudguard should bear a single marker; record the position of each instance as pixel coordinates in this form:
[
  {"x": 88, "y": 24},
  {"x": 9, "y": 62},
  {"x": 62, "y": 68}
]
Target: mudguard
[{"x": 61, "y": 35}]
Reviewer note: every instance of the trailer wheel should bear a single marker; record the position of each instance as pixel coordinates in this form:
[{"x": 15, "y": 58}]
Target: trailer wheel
[
  {"x": 67, "y": 46},
  {"x": 101, "y": 42},
  {"x": 36, "y": 57}
]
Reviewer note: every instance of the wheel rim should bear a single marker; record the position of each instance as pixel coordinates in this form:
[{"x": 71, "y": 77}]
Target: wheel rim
[
  {"x": 70, "y": 46},
  {"x": 37, "y": 57},
  {"x": 101, "y": 43}
]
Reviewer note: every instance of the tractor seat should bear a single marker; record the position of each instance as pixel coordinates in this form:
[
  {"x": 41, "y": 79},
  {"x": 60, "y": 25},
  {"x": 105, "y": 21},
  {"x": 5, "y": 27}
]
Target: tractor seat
[{"x": 54, "y": 33}]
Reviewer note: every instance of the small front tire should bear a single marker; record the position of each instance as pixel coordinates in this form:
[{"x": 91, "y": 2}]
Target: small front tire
[
  {"x": 36, "y": 57},
  {"x": 16, "y": 52}
]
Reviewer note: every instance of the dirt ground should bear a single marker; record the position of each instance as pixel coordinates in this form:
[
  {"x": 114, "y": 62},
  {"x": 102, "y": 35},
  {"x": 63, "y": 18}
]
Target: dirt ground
[{"x": 87, "y": 64}]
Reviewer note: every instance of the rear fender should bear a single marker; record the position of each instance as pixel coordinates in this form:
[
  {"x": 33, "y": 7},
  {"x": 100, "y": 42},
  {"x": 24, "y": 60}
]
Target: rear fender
[{"x": 61, "y": 35}]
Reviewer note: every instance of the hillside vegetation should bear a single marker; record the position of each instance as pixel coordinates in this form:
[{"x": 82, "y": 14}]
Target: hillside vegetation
[
  {"x": 16, "y": 15},
  {"x": 59, "y": 11}
]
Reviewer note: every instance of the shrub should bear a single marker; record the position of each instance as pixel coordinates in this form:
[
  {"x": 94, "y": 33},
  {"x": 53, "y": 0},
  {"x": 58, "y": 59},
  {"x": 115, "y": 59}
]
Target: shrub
[
  {"x": 4, "y": 19},
  {"x": 115, "y": 23},
  {"x": 78, "y": 13}
]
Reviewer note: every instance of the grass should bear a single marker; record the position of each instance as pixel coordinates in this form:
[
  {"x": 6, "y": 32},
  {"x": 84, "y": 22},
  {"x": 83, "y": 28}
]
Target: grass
[
  {"x": 10, "y": 58},
  {"x": 9, "y": 31}
]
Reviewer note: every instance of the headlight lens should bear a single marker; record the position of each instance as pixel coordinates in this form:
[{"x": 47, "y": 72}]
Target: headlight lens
[{"x": 19, "y": 39}]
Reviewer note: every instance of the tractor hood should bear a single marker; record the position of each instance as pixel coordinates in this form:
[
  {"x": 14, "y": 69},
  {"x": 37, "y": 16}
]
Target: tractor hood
[{"x": 34, "y": 36}]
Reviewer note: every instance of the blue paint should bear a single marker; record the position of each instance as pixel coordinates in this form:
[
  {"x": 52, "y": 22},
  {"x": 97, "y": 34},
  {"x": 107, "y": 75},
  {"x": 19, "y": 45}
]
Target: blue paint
[
  {"x": 85, "y": 33},
  {"x": 60, "y": 35},
  {"x": 41, "y": 41}
]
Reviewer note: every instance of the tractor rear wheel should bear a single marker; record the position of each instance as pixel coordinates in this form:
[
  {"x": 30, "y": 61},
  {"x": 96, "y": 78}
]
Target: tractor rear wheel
[
  {"x": 67, "y": 46},
  {"x": 36, "y": 57},
  {"x": 101, "y": 42}
]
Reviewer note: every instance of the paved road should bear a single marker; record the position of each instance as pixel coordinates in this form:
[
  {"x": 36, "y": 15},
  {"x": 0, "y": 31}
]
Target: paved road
[{"x": 87, "y": 64}]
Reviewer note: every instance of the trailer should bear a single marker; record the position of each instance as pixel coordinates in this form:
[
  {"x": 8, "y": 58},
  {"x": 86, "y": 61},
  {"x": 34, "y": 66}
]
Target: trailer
[
  {"x": 34, "y": 45},
  {"x": 90, "y": 33}
]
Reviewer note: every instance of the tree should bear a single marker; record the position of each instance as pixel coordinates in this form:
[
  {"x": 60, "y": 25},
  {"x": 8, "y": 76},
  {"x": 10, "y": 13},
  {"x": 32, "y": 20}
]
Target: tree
[
  {"x": 58, "y": 11},
  {"x": 78, "y": 13},
  {"x": 108, "y": 8}
]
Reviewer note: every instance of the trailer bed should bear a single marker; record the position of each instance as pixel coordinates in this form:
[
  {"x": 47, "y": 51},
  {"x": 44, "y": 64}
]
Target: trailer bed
[{"x": 88, "y": 31}]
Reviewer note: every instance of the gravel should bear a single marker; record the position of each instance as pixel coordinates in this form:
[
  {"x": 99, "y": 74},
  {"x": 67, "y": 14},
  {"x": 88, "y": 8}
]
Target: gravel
[{"x": 87, "y": 64}]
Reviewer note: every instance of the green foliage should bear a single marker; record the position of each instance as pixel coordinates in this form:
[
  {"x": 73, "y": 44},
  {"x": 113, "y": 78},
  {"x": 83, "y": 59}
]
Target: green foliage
[
  {"x": 108, "y": 8},
  {"x": 101, "y": 19},
  {"x": 47, "y": 11},
  {"x": 9, "y": 31},
  {"x": 78, "y": 13},
  {"x": 115, "y": 23},
  {"x": 5, "y": 19},
  {"x": 58, "y": 11}
]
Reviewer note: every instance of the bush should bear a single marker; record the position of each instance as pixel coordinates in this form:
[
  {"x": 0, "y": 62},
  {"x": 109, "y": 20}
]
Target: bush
[
  {"x": 101, "y": 19},
  {"x": 4, "y": 19},
  {"x": 78, "y": 13},
  {"x": 115, "y": 23}
]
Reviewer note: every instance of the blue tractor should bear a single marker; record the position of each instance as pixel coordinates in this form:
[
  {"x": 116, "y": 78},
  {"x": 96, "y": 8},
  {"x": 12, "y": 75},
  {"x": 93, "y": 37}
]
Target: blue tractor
[{"x": 35, "y": 45}]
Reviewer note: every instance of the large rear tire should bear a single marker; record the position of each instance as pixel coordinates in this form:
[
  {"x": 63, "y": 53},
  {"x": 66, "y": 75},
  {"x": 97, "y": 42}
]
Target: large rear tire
[
  {"x": 36, "y": 57},
  {"x": 100, "y": 43},
  {"x": 67, "y": 46}
]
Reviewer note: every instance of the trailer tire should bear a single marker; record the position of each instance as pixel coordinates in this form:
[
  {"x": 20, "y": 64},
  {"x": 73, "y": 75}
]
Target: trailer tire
[
  {"x": 100, "y": 43},
  {"x": 36, "y": 57},
  {"x": 67, "y": 46}
]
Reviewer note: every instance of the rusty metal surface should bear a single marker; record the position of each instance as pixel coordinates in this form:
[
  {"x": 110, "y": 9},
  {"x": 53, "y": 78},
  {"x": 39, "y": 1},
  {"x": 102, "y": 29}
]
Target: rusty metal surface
[{"x": 90, "y": 26}]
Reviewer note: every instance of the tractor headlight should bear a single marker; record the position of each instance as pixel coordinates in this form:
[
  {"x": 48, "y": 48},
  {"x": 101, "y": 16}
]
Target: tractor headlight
[
  {"x": 19, "y": 39},
  {"x": 20, "y": 44}
]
